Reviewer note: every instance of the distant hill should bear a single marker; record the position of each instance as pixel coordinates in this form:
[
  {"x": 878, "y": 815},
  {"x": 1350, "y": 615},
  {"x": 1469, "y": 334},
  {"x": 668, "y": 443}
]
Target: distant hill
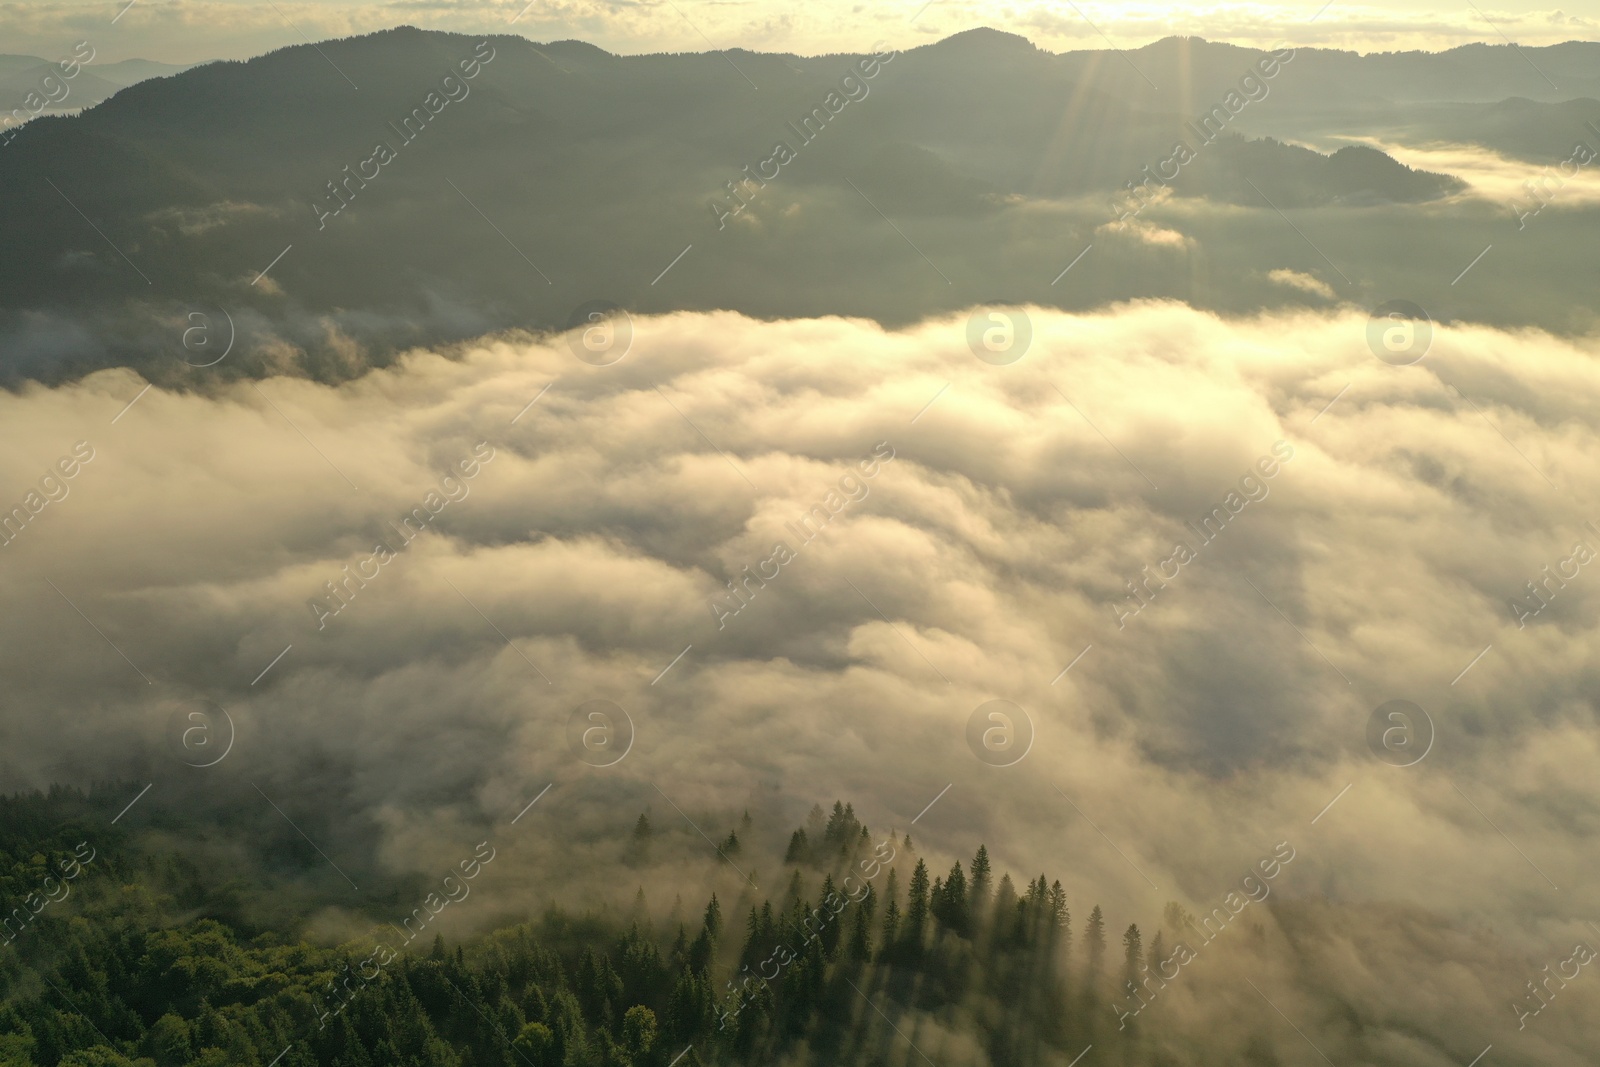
[
  {"x": 128, "y": 71},
  {"x": 1541, "y": 133},
  {"x": 967, "y": 170},
  {"x": 1326, "y": 79},
  {"x": 93, "y": 83}
]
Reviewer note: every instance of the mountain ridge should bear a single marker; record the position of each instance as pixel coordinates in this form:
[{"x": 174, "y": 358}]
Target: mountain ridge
[{"x": 192, "y": 184}]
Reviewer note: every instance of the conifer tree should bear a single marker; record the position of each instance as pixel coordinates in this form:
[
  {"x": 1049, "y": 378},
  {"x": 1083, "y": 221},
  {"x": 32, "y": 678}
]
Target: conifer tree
[
  {"x": 798, "y": 851},
  {"x": 640, "y": 915},
  {"x": 917, "y": 903},
  {"x": 980, "y": 878},
  {"x": 891, "y": 929},
  {"x": 680, "y": 948},
  {"x": 1095, "y": 935},
  {"x": 752, "y": 938},
  {"x": 701, "y": 953},
  {"x": 861, "y": 932},
  {"x": 831, "y": 930},
  {"x": 1056, "y": 905},
  {"x": 1005, "y": 906},
  {"x": 1132, "y": 955},
  {"x": 816, "y": 822},
  {"x": 713, "y": 920},
  {"x": 836, "y": 828},
  {"x": 954, "y": 901}
]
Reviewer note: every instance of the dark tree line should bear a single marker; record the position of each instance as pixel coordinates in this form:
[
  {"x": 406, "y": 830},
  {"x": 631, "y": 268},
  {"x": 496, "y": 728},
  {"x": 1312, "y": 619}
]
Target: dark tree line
[{"x": 122, "y": 978}]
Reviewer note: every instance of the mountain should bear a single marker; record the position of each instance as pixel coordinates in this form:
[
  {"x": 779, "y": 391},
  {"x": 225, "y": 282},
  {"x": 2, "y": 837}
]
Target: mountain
[
  {"x": 93, "y": 83},
  {"x": 127, "y": 72},
  {"x": 1540, "y": 133},
  {"x": 397, "y": 201},
  {"x": 1171, "y": 71}
]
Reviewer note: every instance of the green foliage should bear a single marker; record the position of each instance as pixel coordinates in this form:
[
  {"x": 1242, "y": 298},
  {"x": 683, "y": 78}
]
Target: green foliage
[
  {"x": 639, "y": 1032},
  {"x": 119, "y": 975},
  {"x": 537, "y": 1045}
]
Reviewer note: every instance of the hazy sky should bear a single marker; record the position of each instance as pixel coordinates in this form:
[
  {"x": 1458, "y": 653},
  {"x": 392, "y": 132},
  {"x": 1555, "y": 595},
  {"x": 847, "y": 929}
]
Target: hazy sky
[{"x": 191, "y": 30}]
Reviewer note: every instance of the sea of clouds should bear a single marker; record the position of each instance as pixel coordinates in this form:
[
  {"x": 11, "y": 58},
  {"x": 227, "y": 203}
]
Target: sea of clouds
[{"x": 1379, "y": 564}]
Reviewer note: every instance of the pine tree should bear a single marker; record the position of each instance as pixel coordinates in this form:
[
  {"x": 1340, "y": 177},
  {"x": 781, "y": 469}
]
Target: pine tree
[
  {"x": 891, "y": 929},
  {"x": 1158, "y": 952},
  {"x": 687, "y": 1008},
  {"x": 730, "y": 844},
  {"x": 701, "y": 953},
  {"x": 752, "y": 938},
  {"x": 713, "y": 920},
  {"x": 917, "y": 905},
  {"x": 1005, "y": 906},
  {"x": 956, "y": 915},
  {"x": 1095, "y": 934},
  {"x": 680, "y": 948},
  {"x": 641, "y": 829},
  {"x": 1132, "y": 955},
  {"x": 640, "y": 915},
  {"x": 837, "y": 826},
  {"x": 1032, "y": 924},
  {"x": 980, "y": 878},
  {"x": 816, "y": 822},
  {"x": 861, "y": 932},
  {"x": 831, "y": 931},
  {"x": 799, "y": 850},
  {"x": 1176, "y": 918},
  {"x": 1057, "y": 906},
  {"x": 1062, "y": 916}
]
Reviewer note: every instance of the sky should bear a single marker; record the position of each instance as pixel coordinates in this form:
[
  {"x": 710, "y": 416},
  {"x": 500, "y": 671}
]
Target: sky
[{"x": 187, "y": 31}]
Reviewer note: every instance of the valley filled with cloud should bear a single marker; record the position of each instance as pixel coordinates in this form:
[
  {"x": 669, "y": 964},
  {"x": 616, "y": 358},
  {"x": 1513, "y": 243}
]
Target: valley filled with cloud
[{"x": 1020, "y": 518}]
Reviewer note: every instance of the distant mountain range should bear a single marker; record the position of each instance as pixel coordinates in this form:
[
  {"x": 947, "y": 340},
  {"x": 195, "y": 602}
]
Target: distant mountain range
[
  {"x": 1329, "y": 79},
  {"x": 428, "y": 205},
  {"x": 95, "y": 82}
]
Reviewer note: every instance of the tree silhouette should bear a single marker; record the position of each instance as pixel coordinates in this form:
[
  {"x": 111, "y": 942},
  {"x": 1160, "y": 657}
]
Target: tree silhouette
[
  {"x": 1132, "y": 955},
  {"x": 1094, "y": 934}
]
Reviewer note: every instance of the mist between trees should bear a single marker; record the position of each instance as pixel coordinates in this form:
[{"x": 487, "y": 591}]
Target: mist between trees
[{"x": 963, "y": 965}]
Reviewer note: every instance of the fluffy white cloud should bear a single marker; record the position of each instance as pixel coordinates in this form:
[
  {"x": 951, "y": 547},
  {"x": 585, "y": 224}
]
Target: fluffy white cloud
[{"x": 993, "y": 550}]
